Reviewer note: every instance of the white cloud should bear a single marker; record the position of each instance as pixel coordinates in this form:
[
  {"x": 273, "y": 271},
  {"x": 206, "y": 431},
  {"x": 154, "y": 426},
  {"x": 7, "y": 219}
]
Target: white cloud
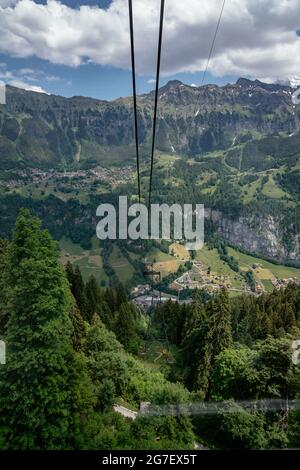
[
  {"x": 151, "y": 81},
  {"x": 26, "y": 86},
  {"x": 51, "y": 78},
  {"x": 6, "y": 74},
  {"x": 20, "y": 78},
  {"x": 193, "y": 85},
  {"x": 256, "y": 38},
  {"x": 28, "y": 71},
  {"x": 35, "y": 75}
]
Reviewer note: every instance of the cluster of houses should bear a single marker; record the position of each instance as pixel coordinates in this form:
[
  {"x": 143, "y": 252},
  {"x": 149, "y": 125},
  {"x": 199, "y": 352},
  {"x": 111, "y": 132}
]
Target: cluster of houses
[
  {"x": 200, "y": 277},
  {"x": 282, "y": 283},
  {"x": 144, "y": 297},
  {"x": 79, "y": 179}
]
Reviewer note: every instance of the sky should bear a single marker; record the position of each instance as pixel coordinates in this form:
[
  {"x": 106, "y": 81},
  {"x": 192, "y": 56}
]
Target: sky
[{"x": 75, "y": 47}]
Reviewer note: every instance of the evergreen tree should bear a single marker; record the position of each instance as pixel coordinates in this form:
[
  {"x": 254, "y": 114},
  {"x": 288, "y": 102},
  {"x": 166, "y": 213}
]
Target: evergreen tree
[
  {"x": 93, "y": 297},
  {"x": 195, "y": 315},
  {"x": 288, "y": 316},
  {"x": 78, "y": 327},
  {"x": 121, "y": 296},
  {"x": 106, "y": 364},
  {"x": 105, "y": 314},
  {"x": 125, "y": 326},
  {"x": 70, "y": 273},
  {"x": 217, "y": 338},
  {"x": 219, "y": 333},
  {"x": 78, "y": 290},
  {"x": 110, "y": 299},
  {"x": 40, "y": 383},
  {"x": 3, "y": 262}
]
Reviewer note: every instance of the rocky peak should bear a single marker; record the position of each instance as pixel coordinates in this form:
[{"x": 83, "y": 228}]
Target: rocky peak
[{"x": 258, "y": 85}]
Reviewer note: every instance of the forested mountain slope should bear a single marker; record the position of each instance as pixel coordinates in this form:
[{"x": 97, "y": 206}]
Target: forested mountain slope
[{"x": 46, "y": 130}]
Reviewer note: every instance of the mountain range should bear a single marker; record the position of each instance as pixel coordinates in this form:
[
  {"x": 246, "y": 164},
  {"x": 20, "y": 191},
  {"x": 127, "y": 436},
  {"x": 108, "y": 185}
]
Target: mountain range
[{"x": 39, "y": 130}]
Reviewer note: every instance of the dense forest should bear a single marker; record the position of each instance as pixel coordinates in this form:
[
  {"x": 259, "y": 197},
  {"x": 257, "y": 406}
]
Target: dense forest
[{"x": 74, "y": 349}]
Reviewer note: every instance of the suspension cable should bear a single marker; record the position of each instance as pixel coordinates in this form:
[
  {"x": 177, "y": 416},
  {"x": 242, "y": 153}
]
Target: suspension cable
[
  {"x": 213, "y": 42},
  {"x": 161, "y": 23},
  {"x": 211, "y": 49},
  {"x": 132, "y": 51}
]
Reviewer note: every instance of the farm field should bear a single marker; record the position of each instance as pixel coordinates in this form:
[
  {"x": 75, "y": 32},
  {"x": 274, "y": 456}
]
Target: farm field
[
  {"x": 120, "y": 264},
  {"x": 180, "y": 251},
  {"x": 211, "y": 259},
  {"x": 89, "y": 261},
  {"x": 265, "y": 271},
  {"x": 163, "y": 262},
  {"x": 278, "y": 271}
]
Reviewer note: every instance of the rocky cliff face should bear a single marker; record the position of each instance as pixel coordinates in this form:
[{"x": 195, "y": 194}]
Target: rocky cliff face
[
  {"x": 41, "y": 130},
  {"x": 263, "y": 236}
]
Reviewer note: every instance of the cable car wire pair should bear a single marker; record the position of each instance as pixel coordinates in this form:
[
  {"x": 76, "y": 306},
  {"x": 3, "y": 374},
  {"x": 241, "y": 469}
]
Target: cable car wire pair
[{"x": 132, "y": 50}]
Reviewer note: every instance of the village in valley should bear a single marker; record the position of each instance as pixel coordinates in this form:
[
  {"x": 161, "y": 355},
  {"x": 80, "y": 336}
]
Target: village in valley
[
  {"x": 71, "y": 179},
  {"x": 183, "y": 272},
  {"x": 198, "y": 275}
]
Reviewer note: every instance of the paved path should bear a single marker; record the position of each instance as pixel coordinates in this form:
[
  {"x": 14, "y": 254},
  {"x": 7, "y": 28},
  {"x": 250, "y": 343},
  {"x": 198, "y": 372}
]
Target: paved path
[{"x": 125, "y": 411}]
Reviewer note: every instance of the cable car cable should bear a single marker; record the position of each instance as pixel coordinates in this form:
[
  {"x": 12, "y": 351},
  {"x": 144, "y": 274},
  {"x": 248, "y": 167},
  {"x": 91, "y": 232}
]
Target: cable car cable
[
  {"x": 132, "y": 53},
  {"x": 213, "y": 42},
  {"x": 161, "y": 22},
  {"x": 212, "y": 47}
]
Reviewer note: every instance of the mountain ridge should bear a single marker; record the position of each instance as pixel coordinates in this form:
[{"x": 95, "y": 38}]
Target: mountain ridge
[{"x": 50, "y": 130}]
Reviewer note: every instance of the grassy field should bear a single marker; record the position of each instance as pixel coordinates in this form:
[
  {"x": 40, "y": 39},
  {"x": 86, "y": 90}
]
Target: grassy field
[
  {"x": 278, "y": 271},
  {"x": 68, "y": 247},
  {"x": 271, "y": 189},
  {"x": 158, "y": 355},
  {"x": 167, "y": 267},
  {"x": 155, "y": 255},
  {"x": 121, "y": 265},
  {"x": 268, "y": 286},
  {"x": 165, "y": 160},
  {"x": 163, "y": 262},
  {"x": 89, "y": 261},
  {"x": 45, "y": 189},
  {"x": 211, "y": 258},
  {"x": 179, "y": 251},
  {"x": 250, "y": 189},
  {"x": 266, "y": 271}
]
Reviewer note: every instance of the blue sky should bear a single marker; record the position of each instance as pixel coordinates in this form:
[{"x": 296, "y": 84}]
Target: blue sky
[
  {"x": 92, "y": 80},
  {"x": 62, "y": 49}
]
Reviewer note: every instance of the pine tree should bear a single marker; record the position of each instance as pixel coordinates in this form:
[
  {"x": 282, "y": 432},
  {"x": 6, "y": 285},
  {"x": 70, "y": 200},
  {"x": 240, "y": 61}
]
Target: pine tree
[
  {"x": 105, "y": 314},
  {"x": 78, "y": 326},
  {"x": 78, "y": 290},
  {"x": 288, "y": 316},
  {"x": 40, "y": 383},
  {"x": 3, "y": 261},
  {"x": 93, "y": 297},
  {"x": 217, "y": 338},
  {"x": 110, "y": 299},
  {"x": 195, "y": 315},
  {"x": 125, "y": 327},
  {"x": 70, "y": 273},
  {"x": 121, "y": 296}
]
